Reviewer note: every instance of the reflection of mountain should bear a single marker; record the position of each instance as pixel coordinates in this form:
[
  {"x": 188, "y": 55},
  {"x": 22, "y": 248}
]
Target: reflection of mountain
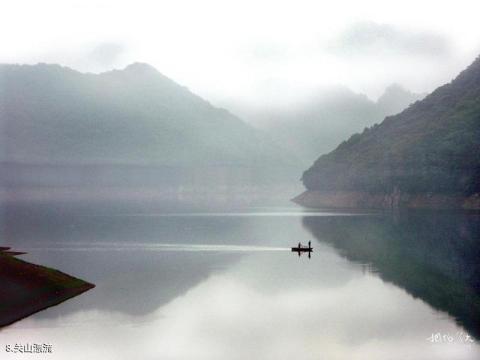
[
  {"x": 107, "y": 250},
  {"x": 134, "y": 282},
  {"x": 433, "y": 256}
]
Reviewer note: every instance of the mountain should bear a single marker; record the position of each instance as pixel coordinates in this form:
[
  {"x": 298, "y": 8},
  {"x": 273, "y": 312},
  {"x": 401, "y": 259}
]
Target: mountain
[
  {"x": 52, "y": 114},
  {"x": 396, "y": 99},
  {"x": 318, "y": 125},
  {"x": 426, "y": 156}
]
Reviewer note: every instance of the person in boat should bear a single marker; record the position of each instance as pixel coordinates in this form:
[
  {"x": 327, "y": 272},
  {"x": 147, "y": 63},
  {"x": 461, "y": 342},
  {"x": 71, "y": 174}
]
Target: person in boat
[
  {"x": 309, "y": 244},
  {"x": 299, "y": 245}
]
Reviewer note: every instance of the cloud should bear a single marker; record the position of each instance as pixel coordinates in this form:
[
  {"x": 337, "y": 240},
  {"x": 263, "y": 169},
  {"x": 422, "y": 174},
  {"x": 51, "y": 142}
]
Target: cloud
[
  {"x": 269, "y": 51},
  {"x": 370, "y": 38},
  {"x": 106, "y": 54}
]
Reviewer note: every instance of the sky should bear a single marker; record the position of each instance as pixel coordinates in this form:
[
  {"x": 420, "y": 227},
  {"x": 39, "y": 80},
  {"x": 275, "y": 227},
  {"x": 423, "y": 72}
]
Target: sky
[{"x": 260, "y": 54}]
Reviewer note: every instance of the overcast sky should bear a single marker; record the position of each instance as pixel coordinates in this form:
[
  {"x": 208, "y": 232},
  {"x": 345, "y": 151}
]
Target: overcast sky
[{"x": 256, "y": 52}]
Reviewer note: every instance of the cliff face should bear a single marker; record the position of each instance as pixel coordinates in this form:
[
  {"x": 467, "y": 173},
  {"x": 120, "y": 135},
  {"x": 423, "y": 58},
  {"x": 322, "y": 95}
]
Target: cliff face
[{"x": 426, "y": 156}]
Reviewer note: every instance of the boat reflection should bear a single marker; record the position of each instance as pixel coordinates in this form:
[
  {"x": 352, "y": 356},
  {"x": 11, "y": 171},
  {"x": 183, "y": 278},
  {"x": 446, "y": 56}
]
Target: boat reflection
[{"x": 434, "y": 256}]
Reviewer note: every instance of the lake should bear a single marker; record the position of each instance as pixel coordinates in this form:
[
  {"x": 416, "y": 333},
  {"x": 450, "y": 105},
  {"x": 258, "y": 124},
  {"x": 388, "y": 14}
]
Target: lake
[{"x": 222, "y": 283}]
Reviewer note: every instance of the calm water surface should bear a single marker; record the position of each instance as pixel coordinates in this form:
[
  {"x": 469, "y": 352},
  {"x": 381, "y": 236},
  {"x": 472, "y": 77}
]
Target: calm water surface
[{"x": 183, "y": 284}]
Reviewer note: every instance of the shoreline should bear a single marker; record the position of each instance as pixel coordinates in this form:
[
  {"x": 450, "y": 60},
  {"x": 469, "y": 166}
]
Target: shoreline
[
  {"x": 29, "y": 288},
  {"x": 385, "y": 201}
]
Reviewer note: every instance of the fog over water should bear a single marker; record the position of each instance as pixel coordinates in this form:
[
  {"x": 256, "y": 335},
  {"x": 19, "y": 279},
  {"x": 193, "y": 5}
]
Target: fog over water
[
  {"x": 156, "y": 149},
  {"x": 193, "y": 285}
]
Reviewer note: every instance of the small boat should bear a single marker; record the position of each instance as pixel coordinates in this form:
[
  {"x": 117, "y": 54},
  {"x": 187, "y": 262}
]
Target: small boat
[{"x": 301, "y": 249}]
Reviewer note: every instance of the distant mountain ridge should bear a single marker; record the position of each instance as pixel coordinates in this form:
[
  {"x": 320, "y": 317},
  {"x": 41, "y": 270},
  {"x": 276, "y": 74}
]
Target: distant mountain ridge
[
  {"x": 396, "y": 99},
  {"x": 54, "y": 114},
  {"x": 320, "y": 124},
  {"x": 431, "y": 149}
]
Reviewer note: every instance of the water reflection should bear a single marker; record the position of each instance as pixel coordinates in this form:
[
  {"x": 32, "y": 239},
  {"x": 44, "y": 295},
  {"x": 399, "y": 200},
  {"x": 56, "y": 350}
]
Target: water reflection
[
  {"x": 230, "y": 288},
  {"x": 262, "y": 306},
  {"x": 138, "y": 259},
  {"x": 435, "y": 256}
]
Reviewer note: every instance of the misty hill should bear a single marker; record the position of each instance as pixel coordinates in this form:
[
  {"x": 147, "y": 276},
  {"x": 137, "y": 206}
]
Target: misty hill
[
  {"x": 52, "y": 114},
  {"x": 431, "y": 148},
  {"x": 396, "y": 99},
  {"x": 322, "y": 123}
]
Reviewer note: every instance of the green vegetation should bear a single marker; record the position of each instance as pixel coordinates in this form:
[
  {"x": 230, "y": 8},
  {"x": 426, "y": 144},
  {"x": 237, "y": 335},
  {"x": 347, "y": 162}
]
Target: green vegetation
[
  {"x": 431, "y": 147},
  {"x": 318, "y": 126}
]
